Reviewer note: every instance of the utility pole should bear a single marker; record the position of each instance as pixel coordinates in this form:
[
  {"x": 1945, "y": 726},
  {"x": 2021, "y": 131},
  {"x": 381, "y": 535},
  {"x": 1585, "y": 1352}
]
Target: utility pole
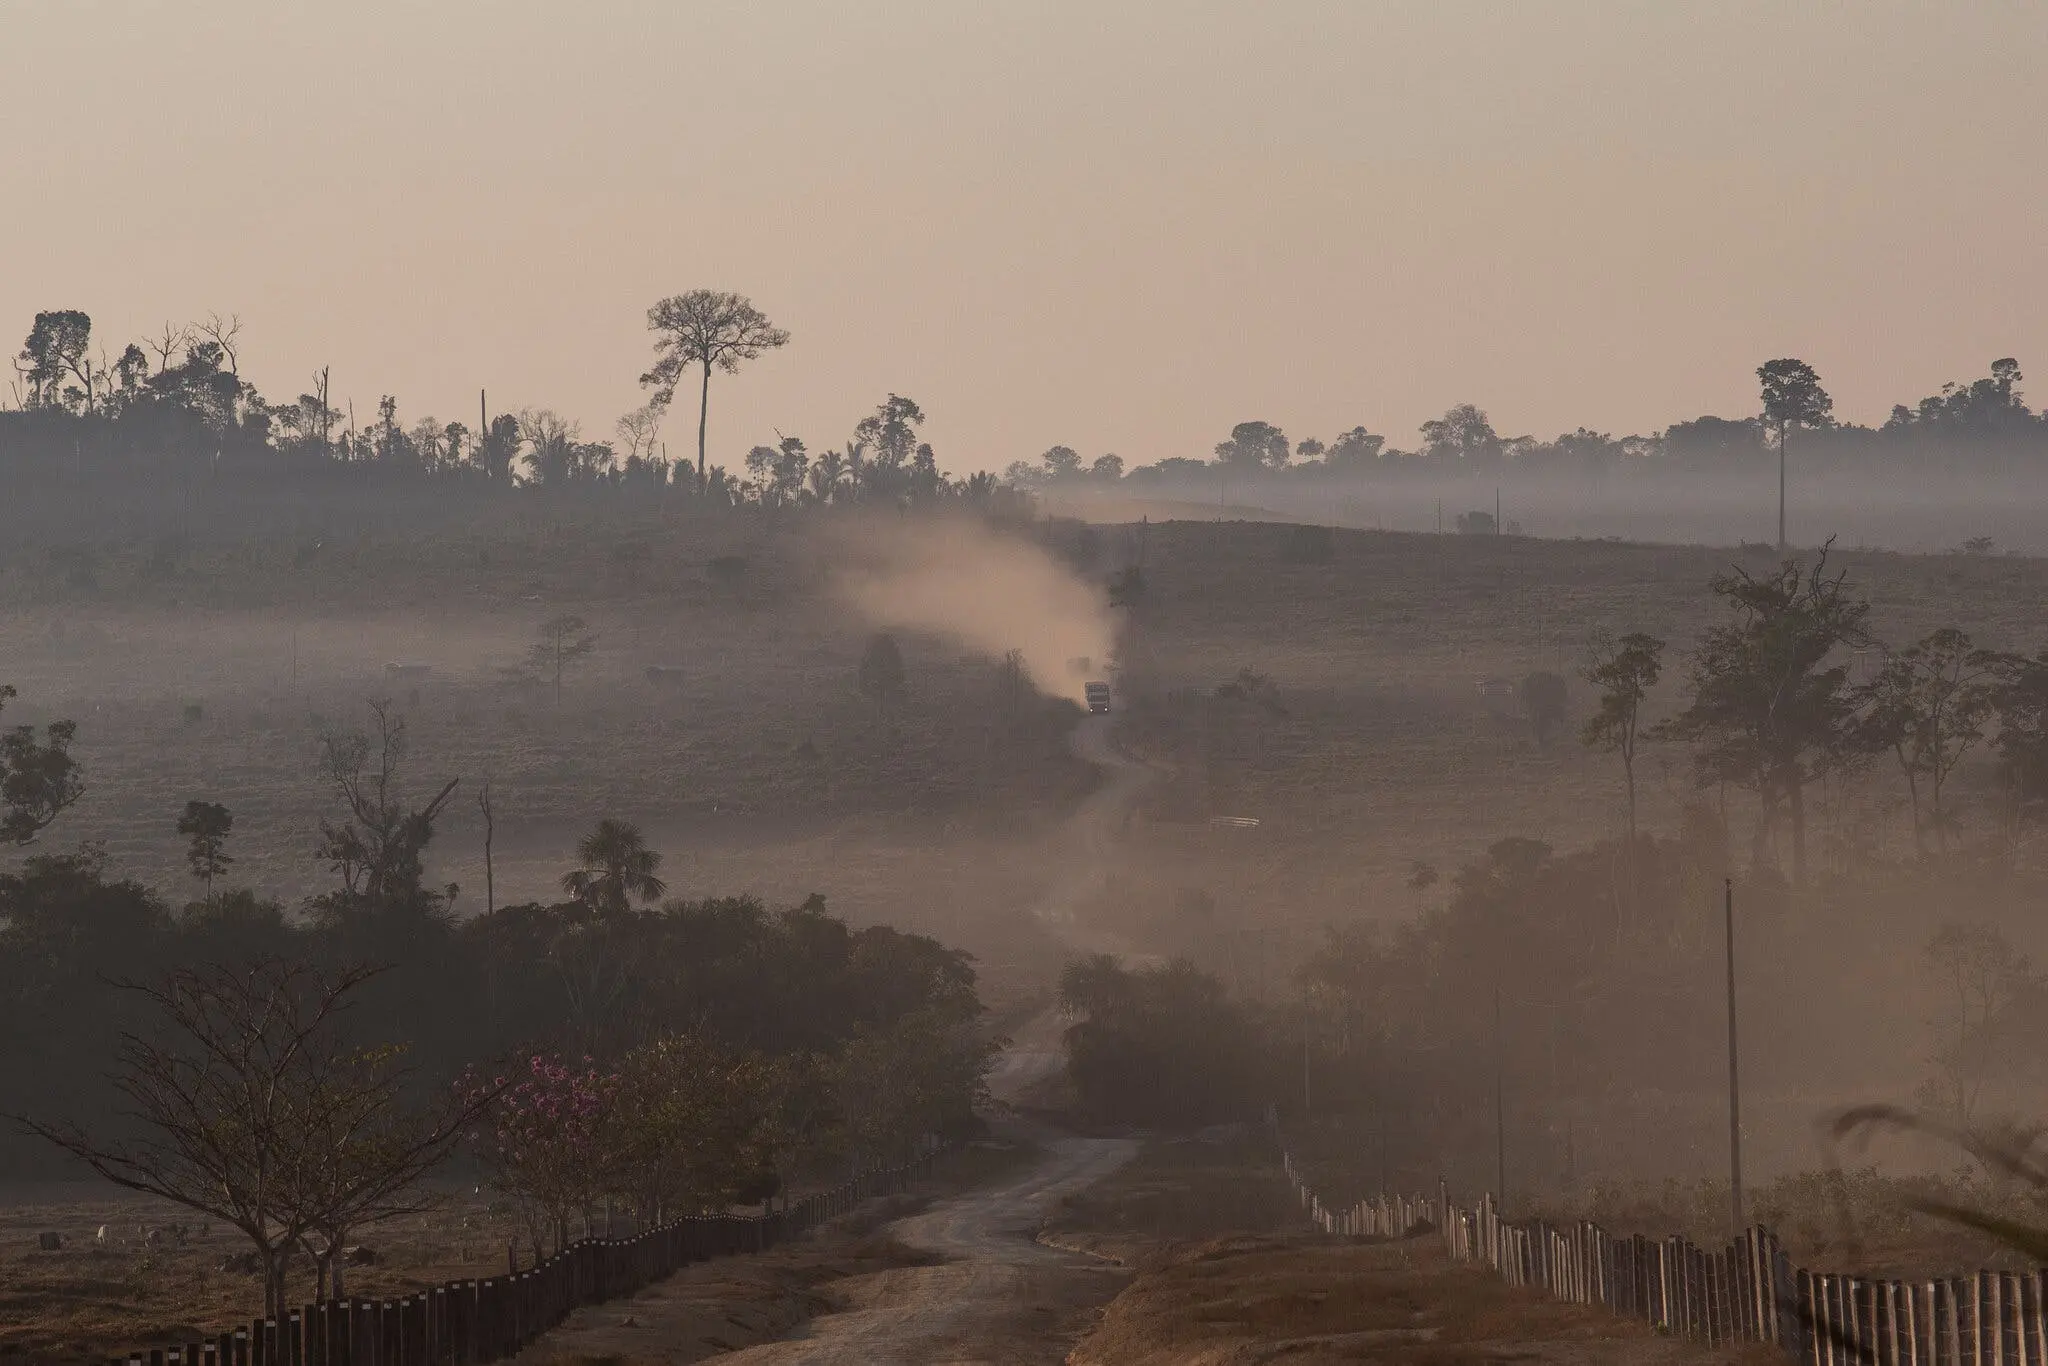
[
  {"x": 1734, "y": 1076},
  {"x": 1783, "y": 429},
  {"x": 1500, "y": 1112},
  {"x": 483, "y": 802},
  {"x": 1306, "y": 1096}
]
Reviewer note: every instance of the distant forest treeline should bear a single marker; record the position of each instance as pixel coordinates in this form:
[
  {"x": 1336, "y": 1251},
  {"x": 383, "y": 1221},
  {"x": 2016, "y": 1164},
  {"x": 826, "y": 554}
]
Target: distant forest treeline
[
  {"x": 1980, "y": 427},
  {"x": 174, "y": 409}
]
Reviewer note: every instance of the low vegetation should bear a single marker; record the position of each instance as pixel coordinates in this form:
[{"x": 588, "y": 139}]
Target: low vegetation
[{"x": 295, "y": 1078}]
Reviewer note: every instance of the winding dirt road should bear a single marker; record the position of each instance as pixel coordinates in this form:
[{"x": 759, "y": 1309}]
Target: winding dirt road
[{"x": 1000, "y": 1296}]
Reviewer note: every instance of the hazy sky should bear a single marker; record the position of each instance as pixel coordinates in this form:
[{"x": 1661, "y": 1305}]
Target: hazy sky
[{"x": 1118, "y": 226}]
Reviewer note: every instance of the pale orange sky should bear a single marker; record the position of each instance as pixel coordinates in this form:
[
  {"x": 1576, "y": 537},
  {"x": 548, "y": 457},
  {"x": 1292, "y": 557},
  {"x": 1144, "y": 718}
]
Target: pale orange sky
[{"x": 1118, "y": 226}]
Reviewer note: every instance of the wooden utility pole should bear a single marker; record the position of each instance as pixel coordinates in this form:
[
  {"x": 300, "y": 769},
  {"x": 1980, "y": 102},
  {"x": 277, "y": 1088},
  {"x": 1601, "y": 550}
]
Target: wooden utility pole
[
  {"x": 1783, "y": 429},
  {"x": 1500, "y": 1110},
  {"x": 1734, "y": 1074},
  {"x": 1307, "y": 1106},
  {"x": 483, "y": 801}
]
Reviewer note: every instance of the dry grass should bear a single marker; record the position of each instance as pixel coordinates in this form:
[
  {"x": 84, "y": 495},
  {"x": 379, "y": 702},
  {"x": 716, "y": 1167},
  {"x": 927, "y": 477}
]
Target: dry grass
[
  {"x": 91, "y": 1300},
  {"x": 1227, "y": 1279},
  {"x": 1305, "y": 1300},
  {"x": 764, "y": 765},
  {"x": 95, "y": 1298}
]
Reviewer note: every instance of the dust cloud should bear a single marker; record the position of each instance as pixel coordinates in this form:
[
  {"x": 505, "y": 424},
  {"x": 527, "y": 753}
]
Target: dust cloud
[{"x": 988, "y": 591}]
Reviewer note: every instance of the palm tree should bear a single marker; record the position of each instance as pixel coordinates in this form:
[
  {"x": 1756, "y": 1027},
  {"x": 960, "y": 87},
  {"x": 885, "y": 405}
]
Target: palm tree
[{"x": 614, "y": 867}]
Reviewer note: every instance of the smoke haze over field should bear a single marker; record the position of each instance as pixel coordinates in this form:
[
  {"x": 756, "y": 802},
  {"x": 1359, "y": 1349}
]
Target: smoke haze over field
[{"x": 990, "y": 592}]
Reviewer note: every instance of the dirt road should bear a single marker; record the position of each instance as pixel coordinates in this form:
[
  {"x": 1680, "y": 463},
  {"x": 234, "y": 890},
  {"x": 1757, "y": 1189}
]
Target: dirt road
[
  {"x": 1086, "y": 846},
  {"x": 1000, "y": 1296}
]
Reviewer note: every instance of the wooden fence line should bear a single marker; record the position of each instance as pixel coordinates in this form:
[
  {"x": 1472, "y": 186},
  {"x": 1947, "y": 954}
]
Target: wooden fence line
[
  {"x": 469, "y": 1322},
  {"x": 1747, "y": 1291}
]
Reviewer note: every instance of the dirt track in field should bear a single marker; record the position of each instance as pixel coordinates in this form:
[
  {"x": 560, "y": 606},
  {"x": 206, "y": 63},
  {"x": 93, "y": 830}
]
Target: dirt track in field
[{"x": 999, "y": 1296}]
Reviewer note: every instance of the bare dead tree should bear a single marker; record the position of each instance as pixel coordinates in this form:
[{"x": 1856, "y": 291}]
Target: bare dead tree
[
  {"x": 219, "y": 1089},
  {"x": 378, "y": 851},
  {"x": 223, "y": 332},
  {"x": 325, "y": 413},
  {"x": 173, "y": 338},
  {"x": 637, "y": 430},
  {"x": 564, "y": 640},
  {"x": 483, "y": 804}
]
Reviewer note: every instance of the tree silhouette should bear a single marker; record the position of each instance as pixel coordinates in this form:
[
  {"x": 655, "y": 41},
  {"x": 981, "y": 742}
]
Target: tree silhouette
[
  {"x": 221, "y": 1087},
  {"x": 38, "y": 778},
  {"x": 1463, "y": 434},
  {"x": 1253, "y": 444},
  {"x": 705, "y": 328},
  {"x": 881, "y": 670},
  {"x": 1928, "y": 705},
  {"x": 205, "y": 825},
  {"x": 56, "y": 347},
  {"x": 1624, "y": 671},
  {"x": 1768, "y": 712},
  {"x": 564, "y": 640},
  {"x": 2022, "y": 742},
  {"x": 615, "y": 868},
  {"x": 1544, "y": 697},
  {"x": 379, "y": 849},
  {"x": 1792, "y": 397},
  {"x": 1061, "y": 462}
]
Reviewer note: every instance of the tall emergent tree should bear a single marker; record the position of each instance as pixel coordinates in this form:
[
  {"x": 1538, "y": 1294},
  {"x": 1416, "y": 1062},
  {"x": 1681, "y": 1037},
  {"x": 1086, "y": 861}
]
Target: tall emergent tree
[
  {"x": 205, "y": 826},
  {"x": 1792, "y": 397},
  {"x": 1769, "y": 712},
  {"x": 705, "y": 328}
]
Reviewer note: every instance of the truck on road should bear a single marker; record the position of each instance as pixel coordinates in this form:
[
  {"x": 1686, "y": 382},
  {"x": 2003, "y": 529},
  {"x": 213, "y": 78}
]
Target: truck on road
[{"x": 1098, "y": 696}]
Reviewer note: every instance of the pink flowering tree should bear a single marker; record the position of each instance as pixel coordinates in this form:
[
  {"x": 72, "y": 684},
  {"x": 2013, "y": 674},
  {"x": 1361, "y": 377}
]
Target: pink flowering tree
[{"x": 548, "y": 1140}]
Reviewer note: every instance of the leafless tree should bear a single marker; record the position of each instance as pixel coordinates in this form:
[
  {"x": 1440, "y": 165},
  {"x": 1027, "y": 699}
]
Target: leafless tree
[
  {"x": 636, "y": 430},
  {"x": 361, "y": 1153},
  {"x": 224, "y": 332},
  {"x": 564, "y": 640},
  {"x": 378, "y": 849},
  {"x": 167, "y": 343},
  {"x": 323, "y": 413},
  {"x": 218, "y": 1086},
  {"x": 483, "y": 804}
]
